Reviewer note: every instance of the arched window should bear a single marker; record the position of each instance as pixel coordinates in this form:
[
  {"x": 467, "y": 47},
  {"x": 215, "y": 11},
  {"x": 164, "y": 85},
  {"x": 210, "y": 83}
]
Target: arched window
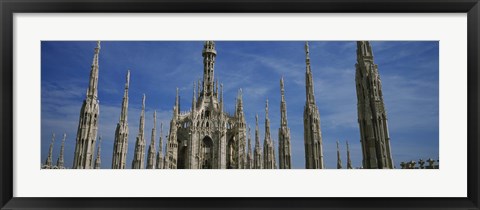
[
  {"x": 232, "y": 153},
  {"x": 206, "y": 148}
]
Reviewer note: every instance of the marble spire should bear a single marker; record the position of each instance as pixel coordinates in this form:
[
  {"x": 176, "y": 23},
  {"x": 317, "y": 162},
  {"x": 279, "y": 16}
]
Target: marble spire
[
  {"x": 268, "y": 153},
  {"x": 284, "y": 149},
  {"x": 257, "y": 157},
  {"x": 151, "y": 149},
  {"x": 120, "y": 146},
  {"x": 88, "y": 120},
  {"x": 311, "y": 119},
  {"x": 372, "y": 114},
  {"x": 160, "y": 149},
  {"x": 60, "y": 160},
  {"x": 48, "y": 162},
  {"x": 139, "y": 156}
]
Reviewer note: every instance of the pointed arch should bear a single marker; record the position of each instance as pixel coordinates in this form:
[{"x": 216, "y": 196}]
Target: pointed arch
[
  {"x": 206, "y": 153},
  {"x": 232, "y": 153}
]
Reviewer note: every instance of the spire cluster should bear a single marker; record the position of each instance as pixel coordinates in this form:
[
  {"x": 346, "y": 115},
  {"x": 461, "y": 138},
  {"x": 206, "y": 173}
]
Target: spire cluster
[{"x": 207, "y": 137}]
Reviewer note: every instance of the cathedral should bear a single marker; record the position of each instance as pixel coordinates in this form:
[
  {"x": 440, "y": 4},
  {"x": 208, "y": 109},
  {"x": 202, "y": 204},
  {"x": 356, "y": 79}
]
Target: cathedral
[{"x": 208, "y": 137}]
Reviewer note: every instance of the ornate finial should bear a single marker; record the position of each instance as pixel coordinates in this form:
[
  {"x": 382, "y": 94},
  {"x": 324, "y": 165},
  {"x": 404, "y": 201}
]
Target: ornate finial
[
  {"x": 127, "y": 79},
  {"x": 349, "y": 161},
  {"x": 307, "y": 50},
  {"x": 155, "y": 119},
  {"x": 282, "y": 87},
  {"x": 266, "y": 108},
  {"x": 307, "y": 57},
  {"x": 98, "y": 44},
  {"x": 239, "y": 95},
  {"x": 364, "y": 49},
  {"x": 48, "y": 163},
  {"x": 176, "y": 99},
  {"x": 143, "y": 102},
  {"x": 60, "y": 159},
  {"x": 209, "y": 47}
]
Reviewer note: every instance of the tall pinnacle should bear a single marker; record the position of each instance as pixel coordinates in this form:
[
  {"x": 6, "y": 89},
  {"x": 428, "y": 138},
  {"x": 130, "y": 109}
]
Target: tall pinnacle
[
  {"x": 142, "y": 116},
  {"x": 339, "y": 161},
  {"x": 151, "y": 148},
  {"x": 160, "y": 149},
  {"x": 209, "y": 53},
  {"x": 266, "y": 112},
  {"x": 139, "y": 156},
  {"x": 267, "y": 123},
  {"x": 257, "y": 137},
  {"x": 349, "y": 161},
  {"x": 257, "y": 157},
  {"x": 311, "y": 118},
  {"x": 268, "y": 150},
  {"x": 372, "y": 115},
  {"x": 60, "y": 161},
  {"x": 120, "y": 146},
  {"x": 88, "y": 121},
  {"x": 283, "y": 106},
  {"x": 98, "y": 161},
  {"x": 284, "y": 150},
  {"x": 249, "y": 150},
  {"x": 177, "y": 103},
  {"x": 239, "y": 104},
  {"x": 93, "y": 84},
  {"x": 124, "y": 112},
  {"x": 48, "y": 163}
]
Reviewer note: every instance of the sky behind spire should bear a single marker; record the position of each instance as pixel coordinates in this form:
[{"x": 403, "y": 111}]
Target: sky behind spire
[{"x": 409, "y": 73}]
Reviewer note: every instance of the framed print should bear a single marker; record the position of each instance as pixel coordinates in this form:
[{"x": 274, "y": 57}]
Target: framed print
[{"x": 347, "y": 104}]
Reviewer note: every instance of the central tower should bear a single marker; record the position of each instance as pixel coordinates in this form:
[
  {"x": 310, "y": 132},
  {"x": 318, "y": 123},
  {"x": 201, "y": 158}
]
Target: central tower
[
  {"x": 209, "y": 53},
  {"x": 207, "y": 137}
]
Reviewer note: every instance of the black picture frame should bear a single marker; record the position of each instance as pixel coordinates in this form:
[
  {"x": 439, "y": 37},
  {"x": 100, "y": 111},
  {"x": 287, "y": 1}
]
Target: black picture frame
[{"x": 10, "y": 7}]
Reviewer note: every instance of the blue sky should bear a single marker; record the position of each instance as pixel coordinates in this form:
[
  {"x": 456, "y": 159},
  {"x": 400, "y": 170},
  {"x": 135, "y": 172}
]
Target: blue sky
[{"x": 409, "y": 73}]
